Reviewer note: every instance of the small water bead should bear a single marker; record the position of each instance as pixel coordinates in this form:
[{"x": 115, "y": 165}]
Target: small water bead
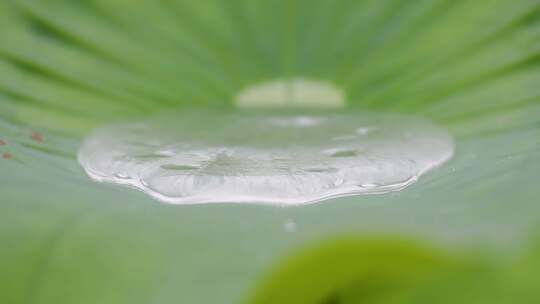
[
  {"x": 290, "y": 226},
  {"x": 265, "y": 157}
]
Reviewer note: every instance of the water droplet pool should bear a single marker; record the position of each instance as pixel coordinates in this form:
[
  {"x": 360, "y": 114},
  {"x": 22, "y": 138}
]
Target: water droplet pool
[{"x": 200, "y": 156}]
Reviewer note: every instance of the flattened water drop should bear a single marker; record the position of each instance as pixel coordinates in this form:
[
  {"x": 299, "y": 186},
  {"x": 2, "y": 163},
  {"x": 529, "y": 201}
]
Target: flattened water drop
[{"x": 265, "y": 157}]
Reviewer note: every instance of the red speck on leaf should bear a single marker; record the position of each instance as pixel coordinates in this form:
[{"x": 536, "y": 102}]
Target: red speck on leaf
[
  {"x": 37, "y": 136},
  {"x": 3, "y": 143},
  {"x": 7, "y": 156}
]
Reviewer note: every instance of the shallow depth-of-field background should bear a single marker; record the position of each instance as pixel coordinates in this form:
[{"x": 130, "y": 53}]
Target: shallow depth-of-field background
[{"x": 466, "y": 233}]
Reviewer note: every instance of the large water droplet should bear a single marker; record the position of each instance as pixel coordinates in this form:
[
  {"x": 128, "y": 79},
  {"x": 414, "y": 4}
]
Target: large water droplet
[{"x": 265, "y": 157}]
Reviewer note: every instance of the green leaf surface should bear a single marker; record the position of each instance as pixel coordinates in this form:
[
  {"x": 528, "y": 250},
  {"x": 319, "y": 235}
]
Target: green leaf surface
[{"x": 69, "y": 66}]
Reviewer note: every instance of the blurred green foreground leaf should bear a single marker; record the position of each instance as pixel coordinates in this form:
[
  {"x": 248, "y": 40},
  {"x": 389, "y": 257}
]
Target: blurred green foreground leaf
[
  {"x": 69, "y": 66},
  {"x": 393, "y": 271}
]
